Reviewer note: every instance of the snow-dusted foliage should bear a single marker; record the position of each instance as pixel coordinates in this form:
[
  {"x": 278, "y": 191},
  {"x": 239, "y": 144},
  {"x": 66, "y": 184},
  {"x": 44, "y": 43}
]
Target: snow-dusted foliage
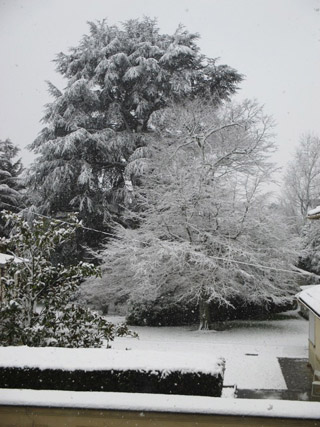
[
  {"x": 301, "y": 194},
  {"x": 301, "y": 189},
  {"x": 206, "y": 230},
  {"x": 36, "y": 301},
  {"x": 309, "y": 258},
  {"x": 10, "y": 182},
  {"x": 116, "y": 78}
]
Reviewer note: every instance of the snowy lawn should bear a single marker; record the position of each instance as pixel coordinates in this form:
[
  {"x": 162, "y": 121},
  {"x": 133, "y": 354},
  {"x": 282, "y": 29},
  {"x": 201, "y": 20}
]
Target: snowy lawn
[{"x": 250, "y": 348}]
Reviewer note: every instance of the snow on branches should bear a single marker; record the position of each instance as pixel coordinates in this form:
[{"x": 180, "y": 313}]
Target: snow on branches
[
  {"x": 205, "y": 227},
  {"x": 37, "y": 306}
]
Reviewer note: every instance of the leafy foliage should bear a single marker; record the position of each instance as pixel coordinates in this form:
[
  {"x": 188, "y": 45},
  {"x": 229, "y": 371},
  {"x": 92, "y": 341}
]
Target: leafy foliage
[
  {"x": 165, "y": 311},
  {"x": 37, "y": 306},
  {"x": 116, "y": 79}
]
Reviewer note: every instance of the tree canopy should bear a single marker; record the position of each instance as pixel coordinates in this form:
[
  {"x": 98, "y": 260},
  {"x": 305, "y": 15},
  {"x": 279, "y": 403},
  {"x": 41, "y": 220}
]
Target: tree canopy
[
  {"x": 206, "y": 230},
  {"x": 117, "y": 78}
]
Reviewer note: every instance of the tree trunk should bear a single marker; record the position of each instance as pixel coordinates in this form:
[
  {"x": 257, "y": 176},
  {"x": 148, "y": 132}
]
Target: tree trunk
[{"x": 204, "y": 315}]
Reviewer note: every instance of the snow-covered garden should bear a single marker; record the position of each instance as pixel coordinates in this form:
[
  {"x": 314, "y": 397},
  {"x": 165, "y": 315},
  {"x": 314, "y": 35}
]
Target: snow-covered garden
[
  {"x": 250, "y": 348},
  {"x": 148, "y": 197}
]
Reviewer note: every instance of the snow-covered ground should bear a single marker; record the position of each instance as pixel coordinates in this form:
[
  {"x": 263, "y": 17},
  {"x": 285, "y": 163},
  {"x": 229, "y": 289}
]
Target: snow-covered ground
[{"x": 250, "y": 348}]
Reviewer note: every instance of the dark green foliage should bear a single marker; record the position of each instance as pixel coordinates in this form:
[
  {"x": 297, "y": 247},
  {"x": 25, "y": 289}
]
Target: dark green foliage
[
  {"x": 164, "y": 312},
  {"x": 36, "y": 306},
  {"x": 130, "y": 381},
  {"x": 10, "y": 170},
  {"x": 310, "y": 254},
  {"x": 116, "y": 79},
  {"x": 10, "y": 181}
]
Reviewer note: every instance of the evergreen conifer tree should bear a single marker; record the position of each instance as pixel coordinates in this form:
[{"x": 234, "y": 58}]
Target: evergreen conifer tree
[
  {"x": 116, "y": 79},
  {"x": 10, "y": 182}
]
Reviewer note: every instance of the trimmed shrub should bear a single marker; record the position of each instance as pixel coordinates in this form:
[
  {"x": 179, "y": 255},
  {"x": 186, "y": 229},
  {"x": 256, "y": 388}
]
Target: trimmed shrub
[
  {"x": 164, "y": 312},
  {"x": 129, "y": 381},
  {"x": 161, "y": 313}
]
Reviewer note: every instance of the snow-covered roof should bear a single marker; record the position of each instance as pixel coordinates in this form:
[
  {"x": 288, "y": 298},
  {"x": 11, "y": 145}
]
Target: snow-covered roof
[
  {"x": 91, "y": 359},
  {"x": 314, "y": 213},
  {"x": 310, "y": 297}
]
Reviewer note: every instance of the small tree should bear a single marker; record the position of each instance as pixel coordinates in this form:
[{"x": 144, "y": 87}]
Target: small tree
[
  {"x": 38, "y": 306},
  {"x": 10, "y": 181}
]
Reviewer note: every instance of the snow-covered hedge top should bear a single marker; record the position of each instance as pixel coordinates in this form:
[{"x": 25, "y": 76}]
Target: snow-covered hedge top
[
  {"x": 160, "y": 403},
  {"x": 311, "y": 298},
  {"x": 90, "y": 359}
]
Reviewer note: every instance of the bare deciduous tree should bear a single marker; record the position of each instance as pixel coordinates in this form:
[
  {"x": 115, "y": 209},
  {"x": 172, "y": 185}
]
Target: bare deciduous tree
[
  {"x": 204, "y": 227},
  {"x": 302, "y": 180}
]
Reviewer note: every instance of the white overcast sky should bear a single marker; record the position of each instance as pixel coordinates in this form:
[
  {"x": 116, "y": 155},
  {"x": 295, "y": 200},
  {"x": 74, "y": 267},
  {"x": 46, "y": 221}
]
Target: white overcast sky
[{"x": 274, "y": 43}]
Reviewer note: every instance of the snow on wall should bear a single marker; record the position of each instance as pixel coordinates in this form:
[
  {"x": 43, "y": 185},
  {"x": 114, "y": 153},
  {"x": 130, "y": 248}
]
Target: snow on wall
[
  {"x": 90, "y": 359},
  {"x": 160, "y": 403}
]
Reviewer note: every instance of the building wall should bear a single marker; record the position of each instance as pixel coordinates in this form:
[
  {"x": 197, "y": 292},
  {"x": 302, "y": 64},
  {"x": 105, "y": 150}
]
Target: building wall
[
  {"x": 13, "y": 416},
  {"x": 314, "y": 342}
]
